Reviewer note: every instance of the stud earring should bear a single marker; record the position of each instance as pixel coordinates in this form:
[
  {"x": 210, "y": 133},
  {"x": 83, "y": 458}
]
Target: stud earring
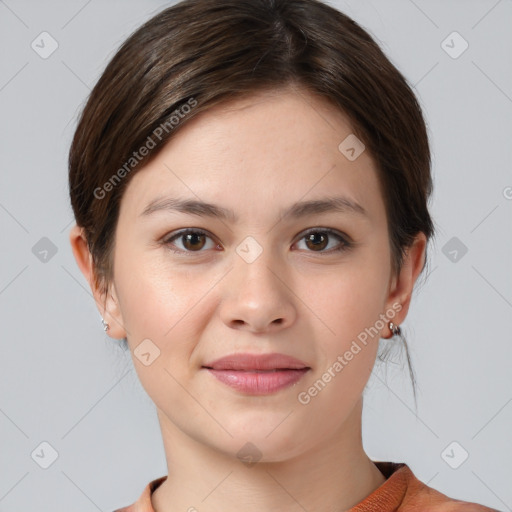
[
  {"x": 106, "y": 327},
  {"x": 395, "y": 329}
]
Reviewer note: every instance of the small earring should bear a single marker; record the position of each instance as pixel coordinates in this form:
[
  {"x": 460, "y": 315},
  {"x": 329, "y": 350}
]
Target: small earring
[
  {"x": 395, "y": 329},
  {"x": 106, "y": 327}
]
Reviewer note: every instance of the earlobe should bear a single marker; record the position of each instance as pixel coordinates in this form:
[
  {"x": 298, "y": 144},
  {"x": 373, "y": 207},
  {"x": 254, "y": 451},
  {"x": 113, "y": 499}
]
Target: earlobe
[
  {"x": 113, "y": 315},
  {"x": 107, "y": 304},
  {"x": 403, "y": 284}
]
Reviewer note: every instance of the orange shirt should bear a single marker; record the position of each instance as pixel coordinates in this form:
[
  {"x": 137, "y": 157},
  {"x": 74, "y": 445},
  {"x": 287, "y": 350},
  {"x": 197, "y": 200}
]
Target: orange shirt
[{"x": 401, "y": 492}]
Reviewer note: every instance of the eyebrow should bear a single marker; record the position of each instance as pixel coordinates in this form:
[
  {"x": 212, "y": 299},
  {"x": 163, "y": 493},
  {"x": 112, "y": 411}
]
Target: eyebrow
[{"x": 296, "y": 210}]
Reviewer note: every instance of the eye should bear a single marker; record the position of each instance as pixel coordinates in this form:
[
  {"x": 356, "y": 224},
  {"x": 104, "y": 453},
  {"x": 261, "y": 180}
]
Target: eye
[
  {"x": 192, "y": 240},
  {"x": 316, "y": 240}
]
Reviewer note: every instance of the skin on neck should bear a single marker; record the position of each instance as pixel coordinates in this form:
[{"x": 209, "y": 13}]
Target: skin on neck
[
  {"x": 335, "y": 475},
  {"x": 256, "y": 157}
]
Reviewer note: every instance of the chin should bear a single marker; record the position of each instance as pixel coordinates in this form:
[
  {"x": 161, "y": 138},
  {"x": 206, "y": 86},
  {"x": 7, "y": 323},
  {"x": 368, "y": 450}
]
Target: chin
[{"x": 268, "y": 439}]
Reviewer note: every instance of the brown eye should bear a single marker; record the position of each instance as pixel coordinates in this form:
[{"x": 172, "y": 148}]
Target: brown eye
[
  {"x": 318, "y": 239},
  {"x": 193, "y": 241},
  {"x": 188, "y": 241}
]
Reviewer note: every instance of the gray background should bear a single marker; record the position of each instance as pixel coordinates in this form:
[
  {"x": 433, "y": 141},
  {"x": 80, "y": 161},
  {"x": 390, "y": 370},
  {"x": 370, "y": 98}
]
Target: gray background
[{"x": 65, "y": 382}]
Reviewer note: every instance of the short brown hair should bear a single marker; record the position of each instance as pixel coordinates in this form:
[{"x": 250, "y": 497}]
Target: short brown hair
[{"x": 217, "y": 50}]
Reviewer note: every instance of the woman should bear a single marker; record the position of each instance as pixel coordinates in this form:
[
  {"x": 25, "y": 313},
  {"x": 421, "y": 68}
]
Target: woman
[{"x": 250, "y": 182}]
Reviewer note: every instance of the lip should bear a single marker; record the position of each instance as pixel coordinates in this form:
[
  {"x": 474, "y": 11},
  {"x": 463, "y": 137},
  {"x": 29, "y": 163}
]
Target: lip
[
  {"x": 245, "y": 361},
  {"x": 258, "y": 374}
]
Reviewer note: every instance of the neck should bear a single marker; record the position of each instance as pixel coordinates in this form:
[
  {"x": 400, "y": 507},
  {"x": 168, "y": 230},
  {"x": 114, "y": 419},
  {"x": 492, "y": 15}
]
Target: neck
[{"x": 332, "y": 476}]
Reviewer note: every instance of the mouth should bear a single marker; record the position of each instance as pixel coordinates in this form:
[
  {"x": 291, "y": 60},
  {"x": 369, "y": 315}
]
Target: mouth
[
  {"x": 257, "y": 362},
  {"x": 259, "y": 382},
  {"x": 257, "y": 374},
  {"x": 254, "y": 370}
]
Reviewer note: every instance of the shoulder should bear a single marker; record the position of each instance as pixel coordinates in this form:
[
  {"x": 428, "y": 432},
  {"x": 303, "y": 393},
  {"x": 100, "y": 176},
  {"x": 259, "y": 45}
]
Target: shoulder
[
  {"x": 402, "y": 491},
  {"x": 444, "y": 504},
  {"x": 419, "y": 497}
]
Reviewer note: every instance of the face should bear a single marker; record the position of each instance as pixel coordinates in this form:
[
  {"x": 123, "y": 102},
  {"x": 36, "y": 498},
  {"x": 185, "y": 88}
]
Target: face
[{"x": 193, "y": 285}]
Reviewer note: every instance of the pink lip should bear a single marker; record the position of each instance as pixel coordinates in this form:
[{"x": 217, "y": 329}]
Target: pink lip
[
  {"x": 243, "y": 361},
  {"x": 258, "y": 374}
]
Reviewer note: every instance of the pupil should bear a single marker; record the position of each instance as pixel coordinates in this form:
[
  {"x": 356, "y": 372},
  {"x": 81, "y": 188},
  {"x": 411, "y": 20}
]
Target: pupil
[
  {"x": 191, "y": 240},
  {"x": 317, "y": 243}
]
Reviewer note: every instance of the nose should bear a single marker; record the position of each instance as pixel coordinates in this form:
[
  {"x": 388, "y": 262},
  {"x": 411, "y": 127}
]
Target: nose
[{"x": 257, "y": 296}]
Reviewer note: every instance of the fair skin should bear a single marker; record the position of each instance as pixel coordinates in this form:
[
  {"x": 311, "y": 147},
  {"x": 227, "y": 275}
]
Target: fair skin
[{"x": 256, "y": 156}]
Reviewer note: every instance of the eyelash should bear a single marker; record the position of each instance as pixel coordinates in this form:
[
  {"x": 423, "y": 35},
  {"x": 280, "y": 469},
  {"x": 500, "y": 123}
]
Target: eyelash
[{"x": 345, "y": 244}]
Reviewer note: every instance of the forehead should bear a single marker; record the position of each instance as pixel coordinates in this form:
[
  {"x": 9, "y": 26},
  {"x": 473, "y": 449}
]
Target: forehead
[{"x": 270, "y": 148}]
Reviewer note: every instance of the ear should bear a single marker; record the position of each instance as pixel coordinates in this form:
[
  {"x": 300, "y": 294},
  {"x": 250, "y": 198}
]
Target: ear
[
  {"x": 401, "y": 285},
  {"x": 106, "y": 302}
]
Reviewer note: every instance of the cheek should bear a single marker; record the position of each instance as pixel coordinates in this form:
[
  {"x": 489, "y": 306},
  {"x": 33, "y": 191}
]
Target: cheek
[
  {"x": 160, "y": 312},
  {"x": 352, "y": 299},
  {"x": 168, "y": 306},
  {"x": 153, "y": 296},
  {"x": 349, "y": 306}
]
